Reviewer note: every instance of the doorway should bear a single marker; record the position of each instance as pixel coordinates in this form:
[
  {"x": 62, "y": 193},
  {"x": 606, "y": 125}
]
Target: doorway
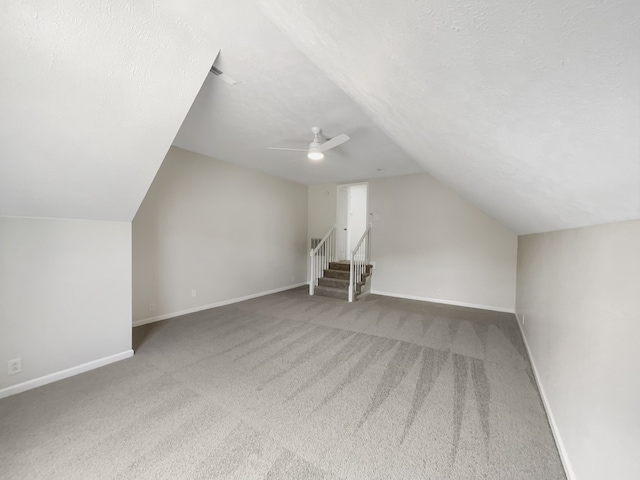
[{"x": 351, "y": 217}]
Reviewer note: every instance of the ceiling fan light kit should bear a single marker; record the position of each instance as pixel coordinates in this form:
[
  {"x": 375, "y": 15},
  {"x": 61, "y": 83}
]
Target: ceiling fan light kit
[
  {"x": 315, "y": 154},
  {"x": 317, "y": 147}
]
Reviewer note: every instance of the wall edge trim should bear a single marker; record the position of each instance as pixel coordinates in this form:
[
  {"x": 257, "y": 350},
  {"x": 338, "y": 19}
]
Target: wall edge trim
[
  {"x": 564, "y": 457},
  {"x": 166, "y": 316},
  {"x": 62, "y": 374},
  {"x": 446, "y": 302}
]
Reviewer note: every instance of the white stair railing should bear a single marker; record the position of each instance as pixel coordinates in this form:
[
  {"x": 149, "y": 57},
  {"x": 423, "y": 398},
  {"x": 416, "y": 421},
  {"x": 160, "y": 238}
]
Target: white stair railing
[
  {"x": 321, "y": 255},
  {"x": 359, "y": 261}
]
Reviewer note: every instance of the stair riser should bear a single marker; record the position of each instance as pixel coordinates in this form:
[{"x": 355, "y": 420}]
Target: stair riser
[
  {"x": 339, "y": 266},
  {"x": 338, "y": 274},
  {"x": 330, "y": 293},
  {"x": 337, "y": 283}
]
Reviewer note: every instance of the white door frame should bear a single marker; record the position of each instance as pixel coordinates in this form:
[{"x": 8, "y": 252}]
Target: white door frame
[
  {"x": 342, "y": 207},
  {"x": 342, "y": 237}
]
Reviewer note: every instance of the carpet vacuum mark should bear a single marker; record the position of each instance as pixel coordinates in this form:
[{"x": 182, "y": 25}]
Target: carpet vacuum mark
[{"x": 289, "y": 386}]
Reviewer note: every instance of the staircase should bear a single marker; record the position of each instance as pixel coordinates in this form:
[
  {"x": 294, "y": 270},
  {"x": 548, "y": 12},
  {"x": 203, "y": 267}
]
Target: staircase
[
  {"x": 335, "y": 281},
  {"x": 343, "y": 280}
]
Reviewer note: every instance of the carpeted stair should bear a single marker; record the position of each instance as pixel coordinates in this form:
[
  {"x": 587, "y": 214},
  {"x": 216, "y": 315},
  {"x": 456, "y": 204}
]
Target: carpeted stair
[{"x": 335, "y": 281}]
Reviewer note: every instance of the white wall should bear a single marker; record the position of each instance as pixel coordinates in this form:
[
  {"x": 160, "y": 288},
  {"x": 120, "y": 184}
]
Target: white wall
[
  {"x": 429, "y": 243},
  {"x": 321, "y": 214},
  {"x": 322, "y": 210},
  {"x": 579, "y": 293},
  {"x": 222, "y": 230},
  {"x": 65, "y": 295}
]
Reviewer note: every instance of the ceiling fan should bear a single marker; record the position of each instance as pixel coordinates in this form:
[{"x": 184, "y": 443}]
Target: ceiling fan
[{"x": 319, "y": 145}]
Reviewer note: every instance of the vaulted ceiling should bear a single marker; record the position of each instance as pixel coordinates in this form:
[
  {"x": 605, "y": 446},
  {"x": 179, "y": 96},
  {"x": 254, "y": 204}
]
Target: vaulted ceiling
[
  {"x": 92, "y": 95},
  {"x": 531, "y": 110},
  {"x": 280, "y": 95}
]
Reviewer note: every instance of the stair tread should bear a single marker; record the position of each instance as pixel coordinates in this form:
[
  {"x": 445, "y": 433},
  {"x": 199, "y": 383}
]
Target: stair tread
[
  {"x": 344, "y": 281},
  {"x": 345, "y": 266},
  {"x": 340, "y": 281},
  {"x": 342, "y": 271}
]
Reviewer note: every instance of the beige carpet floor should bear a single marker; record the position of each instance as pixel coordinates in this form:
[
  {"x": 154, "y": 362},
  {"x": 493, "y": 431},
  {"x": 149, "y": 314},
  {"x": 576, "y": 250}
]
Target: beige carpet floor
[{"x": 289, "y": 386}]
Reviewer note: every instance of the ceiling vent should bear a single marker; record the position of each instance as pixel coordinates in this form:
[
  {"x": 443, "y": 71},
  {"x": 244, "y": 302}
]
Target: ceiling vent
[{"x": 220, "y": 74}]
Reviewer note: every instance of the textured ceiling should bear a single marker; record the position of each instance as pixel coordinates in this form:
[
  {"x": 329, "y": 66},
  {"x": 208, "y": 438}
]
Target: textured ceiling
[
  {"x": 281, "y": 94},
  {"x": 92, "y": 95},
  {"x": 530, "y": 109}
]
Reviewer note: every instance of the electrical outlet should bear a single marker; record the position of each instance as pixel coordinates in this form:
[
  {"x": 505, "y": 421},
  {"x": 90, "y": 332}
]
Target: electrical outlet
[
  {"x": 523, "y": 319},
  {"x": 14, "y": 366},
  {"x": 152, "y": 307},
  {"x": 193, "y": 292},
  {"x": 293, "y": 278},
  {"x": 439, "y": 291}
]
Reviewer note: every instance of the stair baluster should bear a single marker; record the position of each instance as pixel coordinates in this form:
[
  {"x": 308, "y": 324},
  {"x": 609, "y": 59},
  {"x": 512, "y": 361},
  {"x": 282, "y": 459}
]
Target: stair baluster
[{"x": 321, "y": 256}]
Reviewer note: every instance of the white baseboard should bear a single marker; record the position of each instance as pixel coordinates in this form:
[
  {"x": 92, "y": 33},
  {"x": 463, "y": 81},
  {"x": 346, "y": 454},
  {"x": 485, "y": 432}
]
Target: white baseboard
[
  {"x": 564, "y": 458},
  {"x": 446, "y": 302},
  {"x": 166, "y": 316},
  {"x": 69, "y": 372}
]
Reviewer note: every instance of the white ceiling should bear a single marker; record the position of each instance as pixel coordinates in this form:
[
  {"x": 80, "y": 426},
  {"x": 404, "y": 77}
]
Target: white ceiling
[
  {"x": 91, "y": 95},
  {"x": 529, "y": 109},
  {"x": 281, "y": 95}
]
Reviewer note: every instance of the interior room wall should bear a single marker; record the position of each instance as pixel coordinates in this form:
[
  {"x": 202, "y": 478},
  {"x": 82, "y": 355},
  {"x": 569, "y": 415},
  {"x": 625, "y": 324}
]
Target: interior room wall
[
  {"x": 578, "y": 292},
  {"x": 321, "y": 214},
  {"x": 209, "y": 232},
  {"x": 429, "y": 243},
  {"x": 322, "y": 209},
  {"x": 65, "y": 297}
]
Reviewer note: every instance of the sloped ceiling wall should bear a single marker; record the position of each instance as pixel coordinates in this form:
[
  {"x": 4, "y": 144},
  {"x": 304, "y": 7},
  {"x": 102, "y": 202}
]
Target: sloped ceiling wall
[
  {"x": 92, "y": 95},
  {"x": 281, "y": 94},
  {"x": 529, "y": 109}
]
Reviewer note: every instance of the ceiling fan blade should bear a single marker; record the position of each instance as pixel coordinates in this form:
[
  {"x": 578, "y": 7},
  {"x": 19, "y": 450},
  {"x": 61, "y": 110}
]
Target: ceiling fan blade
[
  {"x": 289, "y": 149},
  {"x": 334, "y": 142}
]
